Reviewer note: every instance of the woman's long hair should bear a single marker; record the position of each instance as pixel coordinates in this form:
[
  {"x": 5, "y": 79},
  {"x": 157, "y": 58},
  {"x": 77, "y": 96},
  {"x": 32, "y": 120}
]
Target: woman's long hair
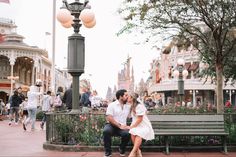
[{"x": 134, "y": 96}]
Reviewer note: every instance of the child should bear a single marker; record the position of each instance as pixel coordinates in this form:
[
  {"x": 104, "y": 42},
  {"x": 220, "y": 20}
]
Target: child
[
  {"x": 140, "y": 127},
  {"x": 24, "y": 111}
]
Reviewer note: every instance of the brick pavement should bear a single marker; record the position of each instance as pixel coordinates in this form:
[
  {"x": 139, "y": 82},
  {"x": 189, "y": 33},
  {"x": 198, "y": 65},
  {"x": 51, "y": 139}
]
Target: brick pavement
[{"x": 14, "y": 142}]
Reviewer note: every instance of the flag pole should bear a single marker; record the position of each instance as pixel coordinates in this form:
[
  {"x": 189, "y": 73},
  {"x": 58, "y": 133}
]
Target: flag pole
[{"x": 53, "y": 45}]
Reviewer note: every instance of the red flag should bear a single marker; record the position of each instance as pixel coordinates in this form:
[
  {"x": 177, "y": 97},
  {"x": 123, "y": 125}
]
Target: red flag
[
  {"x": 2, "y": 37},
  {"x": 5, "y": 1}
]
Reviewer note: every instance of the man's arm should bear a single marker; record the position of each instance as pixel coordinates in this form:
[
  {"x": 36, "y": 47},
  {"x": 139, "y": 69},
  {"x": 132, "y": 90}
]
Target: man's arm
[{"x": 111, "y": 120}]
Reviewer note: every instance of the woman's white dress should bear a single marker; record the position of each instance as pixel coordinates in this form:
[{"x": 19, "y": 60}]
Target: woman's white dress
[{"x": 144, "y": 129}]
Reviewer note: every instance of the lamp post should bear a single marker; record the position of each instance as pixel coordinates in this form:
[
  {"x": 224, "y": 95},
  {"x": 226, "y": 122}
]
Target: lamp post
[
  {"x": 71, "y": 15},
  {"x": 230, "y": 92},
  {"x": 12, "y": 78},
  {"x": 181, "y": 73}
]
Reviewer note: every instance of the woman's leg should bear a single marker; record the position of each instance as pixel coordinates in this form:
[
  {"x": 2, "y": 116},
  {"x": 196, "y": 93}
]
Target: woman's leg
[
  {"x": 33, "y": 118},
  {"x": 137, "y": 143},
  {"x": 29, "y": 117},
  {"x": 132, "y": 138}
]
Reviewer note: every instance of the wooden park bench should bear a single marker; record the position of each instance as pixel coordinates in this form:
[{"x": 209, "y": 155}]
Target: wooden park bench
[{"x": 188, "y": 125}]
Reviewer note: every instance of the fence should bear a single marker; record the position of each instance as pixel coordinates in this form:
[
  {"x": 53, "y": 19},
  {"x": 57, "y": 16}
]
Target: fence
[{"x": 86, "y": 129}]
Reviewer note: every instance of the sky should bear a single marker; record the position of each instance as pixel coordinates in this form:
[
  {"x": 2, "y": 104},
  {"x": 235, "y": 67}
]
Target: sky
[{"x": 104, "y": 50}]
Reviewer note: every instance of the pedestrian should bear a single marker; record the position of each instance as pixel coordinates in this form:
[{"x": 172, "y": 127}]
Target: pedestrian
[
  {"x": 15, "y": 102},
  {"x": 33, "y": 96},
  {"x": 140, "y": 127},
  {"x": 116, "y": 116},
  {"x": 2, "y": 106},
  {"x": 57, "y": 102},
  {"x": 67, "y": 98},
  {"x": 228, "y": 104},
  {"x": 95, "y": 100},
  {"x": 46, "y": 107},
  {"x": 85, "y": 100},
  {"x": 60, "y": 93},
  {"x": 21, "y": 95},
  {"x": 24, "y": 111}
]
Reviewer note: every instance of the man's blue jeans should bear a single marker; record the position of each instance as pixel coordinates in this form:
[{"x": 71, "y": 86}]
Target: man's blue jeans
[{"x": 109, "y": 131}]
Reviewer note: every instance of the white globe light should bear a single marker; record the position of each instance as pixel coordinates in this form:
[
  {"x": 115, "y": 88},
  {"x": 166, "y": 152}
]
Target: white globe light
[
  {"x": 90, "y": 24},
  {"x": 185, "y": 73},
  {"x": 176, "y": 73},
  {"x": 67, "y": 24},
  {"x": 180, "y": 61},
  {"x": 64, "y": 16},
  {"x": 87, "y": 16}
]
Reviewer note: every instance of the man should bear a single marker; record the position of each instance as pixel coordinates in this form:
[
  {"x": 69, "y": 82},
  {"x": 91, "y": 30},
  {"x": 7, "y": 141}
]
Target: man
[
  {"x": 85, "y": 100},
  {"x": 67, "y": 98},
  {"x": 15, "y": 102},
  {"x": 21, "y": 95},
  {"x": 116, "y": 116}
]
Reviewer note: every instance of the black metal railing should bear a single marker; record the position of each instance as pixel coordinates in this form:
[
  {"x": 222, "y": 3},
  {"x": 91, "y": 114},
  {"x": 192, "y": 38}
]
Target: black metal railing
[
  {"x": 86, "y": 129},
  {"x": 71, "y": 129}
]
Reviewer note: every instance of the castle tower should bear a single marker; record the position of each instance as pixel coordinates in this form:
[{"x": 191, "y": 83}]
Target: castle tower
[{"x": 126, "y": 76}]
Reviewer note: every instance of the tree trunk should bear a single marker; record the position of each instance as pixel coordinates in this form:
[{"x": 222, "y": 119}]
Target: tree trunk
[{"x": 219, "y": 88}]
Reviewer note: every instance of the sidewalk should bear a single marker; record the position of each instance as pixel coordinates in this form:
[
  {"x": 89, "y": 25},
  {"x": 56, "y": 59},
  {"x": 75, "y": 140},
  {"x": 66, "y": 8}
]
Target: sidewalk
[{"x": 14, "y": 142}]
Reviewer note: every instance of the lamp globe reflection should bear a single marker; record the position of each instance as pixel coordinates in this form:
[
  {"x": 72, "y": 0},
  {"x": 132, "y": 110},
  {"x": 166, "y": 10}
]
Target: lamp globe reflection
[{"x": 75, "y": 15}]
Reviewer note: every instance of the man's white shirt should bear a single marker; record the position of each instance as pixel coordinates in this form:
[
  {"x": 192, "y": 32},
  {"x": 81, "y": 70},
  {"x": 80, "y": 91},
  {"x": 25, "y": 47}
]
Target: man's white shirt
[{"x": 115, "y": 110}]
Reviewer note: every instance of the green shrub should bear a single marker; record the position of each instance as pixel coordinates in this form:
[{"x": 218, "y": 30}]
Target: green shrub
[{"x": 39, "y": 115}]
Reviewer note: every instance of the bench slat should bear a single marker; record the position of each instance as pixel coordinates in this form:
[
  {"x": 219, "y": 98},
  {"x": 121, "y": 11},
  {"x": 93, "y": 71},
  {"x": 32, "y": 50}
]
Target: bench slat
[
  {"x": 186, "y": 117},
  {"x": 188, "y": 127},
  {"x": 188, "y": 130},
  {"x": 187, "y": 122},
  {"x": 191, "y": 133}
]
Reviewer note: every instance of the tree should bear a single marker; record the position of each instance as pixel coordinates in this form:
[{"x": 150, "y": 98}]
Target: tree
[{"x": 211, "y": 22}]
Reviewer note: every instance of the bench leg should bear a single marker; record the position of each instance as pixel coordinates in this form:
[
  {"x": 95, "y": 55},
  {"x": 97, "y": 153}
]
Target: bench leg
[
  {"x": 224, "y": 144},
  {"x": 167, "y": 145}
]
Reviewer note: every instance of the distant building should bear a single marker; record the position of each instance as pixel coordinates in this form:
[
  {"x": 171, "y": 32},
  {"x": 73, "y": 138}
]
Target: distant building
[
  {"x": 164, "y": 85},
  {"x": 62, "y": 79},
  {"x": 109, "y": 95},
  {"x": 126, "y": 77},
  {"x": 21, "y": 61},
  {"x": 24, "y": 64}
]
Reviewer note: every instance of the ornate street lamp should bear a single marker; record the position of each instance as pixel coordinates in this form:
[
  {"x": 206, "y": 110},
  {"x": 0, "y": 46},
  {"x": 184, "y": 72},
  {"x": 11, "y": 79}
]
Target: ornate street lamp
[
  {"x": 181, "y": 73},
  {"x": 71, "y": 15}
]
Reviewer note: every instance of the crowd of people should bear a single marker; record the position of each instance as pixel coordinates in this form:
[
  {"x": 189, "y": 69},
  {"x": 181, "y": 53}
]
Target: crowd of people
[{"x": 23, "y": 108}]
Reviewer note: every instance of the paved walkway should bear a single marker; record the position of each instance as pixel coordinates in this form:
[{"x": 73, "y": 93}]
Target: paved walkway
[{"x": 14, "y": 142}]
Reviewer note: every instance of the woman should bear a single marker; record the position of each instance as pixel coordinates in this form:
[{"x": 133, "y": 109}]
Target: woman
[
  {"x": 140, "y": 127},
  {"x": 33, "y": 97}
]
